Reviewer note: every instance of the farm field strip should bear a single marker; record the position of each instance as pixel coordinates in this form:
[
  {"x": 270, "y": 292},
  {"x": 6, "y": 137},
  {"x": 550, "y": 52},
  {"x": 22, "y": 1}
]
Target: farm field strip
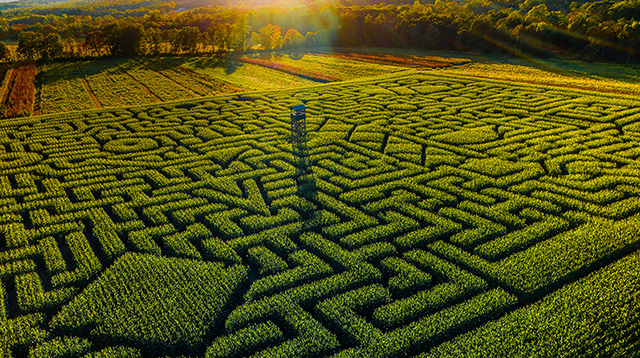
[
  {"x": 202, "y": 85},
  {"x": 244, "y": 75},
  {"x": 606, "y": 71},
  {"x": 277, "y": 65},
  {"x": 111, "y": 86},
  {"x": 404, "y": 61},
  {"x": 18, "y": 97},
  {"x": 170, "y": 79},
  {"x": 532, "y": 75},
  {"x": 424, "y": 210},
  {"x": 5, "y": 75},
  {"x": 63, "y": 89},
  {"x": 167, "y": 78},
  {"x": 161, "y": 87},
  {"x": 87, "y": 86},
  {"x": 144, "y": 86},
  {"x": 325, "y": 68}
]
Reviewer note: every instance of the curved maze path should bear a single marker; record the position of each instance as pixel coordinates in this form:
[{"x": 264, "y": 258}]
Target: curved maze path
[{"x": 425, "y": 206}]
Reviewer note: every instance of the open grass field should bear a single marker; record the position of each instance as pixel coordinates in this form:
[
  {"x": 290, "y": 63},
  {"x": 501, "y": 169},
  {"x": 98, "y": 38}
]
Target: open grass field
[
  {"x": 428, "y": 214},
  {"x": 560, "y": 74},
  {"x": 63, "y": 89},
  {"x": 323, "y": 67},
  {"x": 114, "y": 83},
  {"x": 119, "y": 82}
]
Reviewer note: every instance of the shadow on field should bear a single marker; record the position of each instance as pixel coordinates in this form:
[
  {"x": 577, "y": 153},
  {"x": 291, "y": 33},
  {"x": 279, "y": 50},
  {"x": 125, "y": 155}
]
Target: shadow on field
[
  {"x": 68, "y": 71},
  {"x": 305, "y": 181},
  {"x": 229, "y": 66},
  {"x": 295, "y": 55}
]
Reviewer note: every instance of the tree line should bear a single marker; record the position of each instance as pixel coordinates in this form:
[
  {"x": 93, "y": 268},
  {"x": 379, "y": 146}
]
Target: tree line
[{"x": 599, "y": 30}]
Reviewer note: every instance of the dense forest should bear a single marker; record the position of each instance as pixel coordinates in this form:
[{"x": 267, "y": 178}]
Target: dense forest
[{"x": 45, "y": 31}]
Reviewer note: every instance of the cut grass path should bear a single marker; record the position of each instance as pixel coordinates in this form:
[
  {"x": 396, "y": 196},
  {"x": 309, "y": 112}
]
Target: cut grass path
[
  {"x": 96, "y": 103},
  {"x": 170, "y": 79},
  {"x": 142, "y": 85}
]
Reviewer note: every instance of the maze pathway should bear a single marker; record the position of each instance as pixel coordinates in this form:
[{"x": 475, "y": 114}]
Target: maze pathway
[{"x": 422, "y": 206}]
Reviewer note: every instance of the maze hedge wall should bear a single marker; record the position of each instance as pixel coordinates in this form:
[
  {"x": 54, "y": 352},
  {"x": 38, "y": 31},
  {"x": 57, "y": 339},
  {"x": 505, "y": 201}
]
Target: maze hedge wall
[{"x": 422, "y": 206}]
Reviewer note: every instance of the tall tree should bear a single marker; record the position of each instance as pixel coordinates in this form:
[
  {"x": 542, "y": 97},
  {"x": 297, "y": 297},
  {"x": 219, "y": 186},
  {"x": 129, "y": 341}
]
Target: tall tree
[
  {"x": 153, "y": 37},
  {"x": 271, "y": 37},
  {"x": 240, "y": 31},
  {"x": 28, "y": 45},
  {"x": 292, "y": 39},
  {"x": 96, "y": 42},
  {"x": 186, "y": 39},
  {"x": 125, "y": 38},
  {"x": 50, "y": 47}
]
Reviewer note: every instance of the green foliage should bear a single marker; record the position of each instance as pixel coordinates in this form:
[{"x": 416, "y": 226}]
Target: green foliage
[
  {"x": 580, "y": 319},
  {"x": 61, "y": 348},
  {"x": 115, "y": 352},
  {"x": 457, "y": 317},
  {"x": 194, "y": 227},
  {"x": 340, "y": 310},
  {"x": 87, "y": 264},
  {"x": 153, "y": 303},
  {"x": 405, "y": 277},
  {"x": 518, "y": 240},
  {"x": 128, "y": 145},
  {"x": 266, "y": 261},
  {"x": 32, "y": 298},
  {"x": 124, "y": 38},
  {"x": 245, "y": 340},
  {"x": 459, "y": 284},
  {"x": 5, "y": 52},
  {"x": 308, "y": 267},
  {"x": 33, "y": 46},
  {"x": 468, "y": 136}
]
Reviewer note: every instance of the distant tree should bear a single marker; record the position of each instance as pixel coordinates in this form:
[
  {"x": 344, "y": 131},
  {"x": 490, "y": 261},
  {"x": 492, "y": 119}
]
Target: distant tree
[
  {"x": 310, "y": 39},
  {"x": 50, "y": 47},
  {"x": 271, "y": 37},
  {"x": 34, "y": 46},
  {"x": 47, "y": 29},
  {"x": 629, "y": 32},
  {"x": 125, "y": 38},
  {"x": 324, "y": 38},
  {"x": 626, "y": 9},
  {"x": 431, "y": 37},
  {"x": 293, "y": 39},
  {"x": 96, "y": 42},
  {"x": 602, "y": 28},
  {"x": 186, "y": 39},
  {"x": 209, "y": 36},
  {"x": 5, "y": 53},
  {"x": 254, "y": 40},
  {"x": 153, "y": 38},
  {"x": 239, "y": 34},
  {"x": 538, "y": 13},
  {"x": 70, "y": 47},
  {"x": 225, "y": 37},
  {"x": 28, "y": 42},
  {"x": 171, "y": 37}
]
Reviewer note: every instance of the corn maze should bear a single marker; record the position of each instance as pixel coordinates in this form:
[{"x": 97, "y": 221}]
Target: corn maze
[{"x": 422, "y": 206}]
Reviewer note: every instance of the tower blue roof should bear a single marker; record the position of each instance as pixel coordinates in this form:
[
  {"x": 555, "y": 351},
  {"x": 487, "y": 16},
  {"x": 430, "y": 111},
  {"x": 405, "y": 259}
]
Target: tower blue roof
[{"x": 299, "y": 107}]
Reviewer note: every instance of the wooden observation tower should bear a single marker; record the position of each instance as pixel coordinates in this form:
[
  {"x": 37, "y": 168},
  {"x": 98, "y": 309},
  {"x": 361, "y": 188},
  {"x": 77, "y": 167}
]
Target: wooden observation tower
[
  {"x": 298, "y": 123},
  {"x": 299, "y": 141}
]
